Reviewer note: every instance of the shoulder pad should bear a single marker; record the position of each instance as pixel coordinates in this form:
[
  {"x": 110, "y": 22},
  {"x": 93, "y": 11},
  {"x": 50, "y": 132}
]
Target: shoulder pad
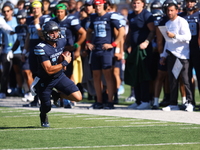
[
  {"x": 122, "y": 22},
  {"x": 74, "y": 22},
  {"x": 46, "y": 19},
  {"x": 71, "y": 17},
  {"x": 62, "y": 36},
  {"x": 115, "y": 16},
  {"x": 39, "y": 52},
  {"x": 41, "y": 45}
]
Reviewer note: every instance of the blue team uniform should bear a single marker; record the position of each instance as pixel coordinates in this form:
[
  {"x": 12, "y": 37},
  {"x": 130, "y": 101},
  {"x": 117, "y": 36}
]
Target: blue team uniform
[
  {"x": 44, "y": 52},
  {"x": 162, "y": 22},
  {"x": 103, "y": 34},
  {"x": 34, "y": 39},
  {"x": 22, "y": 31},
  {"x": 139, "y": 33},
  {"x": 193, "y": 21},
  {"x": 69, "y": 27}
]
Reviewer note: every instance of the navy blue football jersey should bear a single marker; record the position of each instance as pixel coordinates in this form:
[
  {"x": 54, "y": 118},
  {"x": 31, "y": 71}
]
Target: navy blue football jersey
[
  {"x": 44, "y": 52},
  {"x": 138, "y": 26},
  {"x": 103, "y": 27},
  {"x": 69, "y": 27},
  {"x": 34, "y": 37},
  {"x": 21, "y": 31},
  {"x": 85, "y": 23},
  {"x": 193, "y": 21}
]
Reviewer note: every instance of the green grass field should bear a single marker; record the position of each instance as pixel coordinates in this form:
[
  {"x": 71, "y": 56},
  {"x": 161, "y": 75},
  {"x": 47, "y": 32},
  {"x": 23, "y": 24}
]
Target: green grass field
[{"x": 20, "y": 129}]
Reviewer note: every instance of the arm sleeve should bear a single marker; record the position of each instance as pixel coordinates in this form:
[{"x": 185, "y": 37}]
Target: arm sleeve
[
  {"x": 41, "y": 55},
  {"x": 117, "y": 20},
  {"x": 184, "y": 34},
  {"x": 4, "y": 26},
  {"x": 75, "y": 23}
]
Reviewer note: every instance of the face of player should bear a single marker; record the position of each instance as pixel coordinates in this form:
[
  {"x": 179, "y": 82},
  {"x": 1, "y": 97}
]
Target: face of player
[
  {"x": 46, "y": 5},
  {"x": 7, "y": 12},
  {"x": 99, "y": 8},
  {"x": 37, "y": 11},
  {"x": 72, "y": 5},
  {"x": 78, "y": 5},
  {"x": 22, "y": 21},
  {"x": 53, "y": 34},
  {"x": 21, "y": 6},
  {"x": 61, "y": 14},
  {"x": 190, "y": 4},
  {"x": 172, "y": 12},
  {"x": 137, "y": 6},
  {"x": 89, "y": 9}
]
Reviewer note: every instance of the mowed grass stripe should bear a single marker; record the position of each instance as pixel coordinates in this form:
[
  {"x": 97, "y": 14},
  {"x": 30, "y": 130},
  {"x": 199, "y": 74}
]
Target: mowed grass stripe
[
  {"x": 96, "y": 127},
  {"x": 105, "y": 146}
]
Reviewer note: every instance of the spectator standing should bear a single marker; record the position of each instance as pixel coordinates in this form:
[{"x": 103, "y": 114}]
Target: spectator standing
[
  {"x": 35, "y": 37},
  {"x": 102, "y": 24},
  {"x": 22, "y": 33},
  {"x": 141, "y": 33},
  {"x": 192, "y": 14},
  {"x": 8, "y": 59},
  {"x": 177, "y": 49}
]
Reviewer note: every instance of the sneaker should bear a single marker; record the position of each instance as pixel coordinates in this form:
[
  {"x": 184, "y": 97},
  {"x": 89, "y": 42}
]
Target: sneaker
[
  {"x": 121, "y": 90},
  {"x": 183, "y": 106},
  {"x": 92, "y": 106},
  {"x": 170, "y": 107},
  {"x": 32, "y": 104},
  {"x": 189, "y": 108},
  {"x": 164, "y": 103},
  {"x": 67, "y": 103},
  {"x": 55, "y": 96},
  {"x": 130, "y": 99},
  {"x": 155, "y": 107},
  {"x": 109, "y": 106},
  {"x": 28, "y": 97},
  {"x": 98, "y": 106},
  {"x": 44, "y": 120},
  {"x": 133, "y": 106},
  {"x": 2, "y": 95},
  {"x": 144, "y": 105}
]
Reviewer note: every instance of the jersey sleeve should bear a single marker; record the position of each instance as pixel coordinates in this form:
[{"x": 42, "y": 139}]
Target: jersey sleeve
[
  {"x": 148, "y": 17},
  {"x": 75, "y": 23},
  {"x": 117, "y": 20},
  {"x": 40, "y": 53}
]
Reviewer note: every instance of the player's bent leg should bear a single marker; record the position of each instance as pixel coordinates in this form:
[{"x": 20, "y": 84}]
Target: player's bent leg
[{"x": 75, "y": 96}]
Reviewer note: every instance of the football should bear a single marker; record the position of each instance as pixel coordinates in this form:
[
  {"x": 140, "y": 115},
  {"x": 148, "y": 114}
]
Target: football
[{"x": 61, "y": 58}]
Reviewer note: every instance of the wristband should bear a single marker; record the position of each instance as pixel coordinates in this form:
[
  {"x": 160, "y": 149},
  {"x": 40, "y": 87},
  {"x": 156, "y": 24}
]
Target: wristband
[
  {"x": 76, "y": 45},
  {"x": 117, "y": 50},
  {"x": 114, "y": 44},
  {"x": 37, "y": 26},
  {"x": 88, "y": 42},
  {"x": 64, "y": 63},
  {"x": 24, "y": 51},
  {"x": 147, "y": 41}
]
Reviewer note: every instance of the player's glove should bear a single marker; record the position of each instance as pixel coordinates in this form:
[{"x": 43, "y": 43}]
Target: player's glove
[{"x": 10, "y": 55}]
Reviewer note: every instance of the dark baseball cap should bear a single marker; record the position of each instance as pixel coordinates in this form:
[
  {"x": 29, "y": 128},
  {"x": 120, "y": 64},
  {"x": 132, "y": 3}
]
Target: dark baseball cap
[{"x": 89, "y": 2}]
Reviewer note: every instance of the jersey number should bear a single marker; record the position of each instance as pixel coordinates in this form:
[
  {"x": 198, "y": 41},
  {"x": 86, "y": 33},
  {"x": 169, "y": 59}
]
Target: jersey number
[
  {"x": 193, "y": 28},
  {"x": 100, "y": 30}
]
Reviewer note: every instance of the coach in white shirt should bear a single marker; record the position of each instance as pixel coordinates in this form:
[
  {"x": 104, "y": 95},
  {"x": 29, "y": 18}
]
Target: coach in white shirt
[{"x": 177, "y": 48}]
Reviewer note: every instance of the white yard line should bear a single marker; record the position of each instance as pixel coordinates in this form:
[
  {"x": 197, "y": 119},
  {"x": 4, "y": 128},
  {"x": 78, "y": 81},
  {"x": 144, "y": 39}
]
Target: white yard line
[
  {"x": 128, "y": 126},
  {"x": 125, "y": 145}
]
